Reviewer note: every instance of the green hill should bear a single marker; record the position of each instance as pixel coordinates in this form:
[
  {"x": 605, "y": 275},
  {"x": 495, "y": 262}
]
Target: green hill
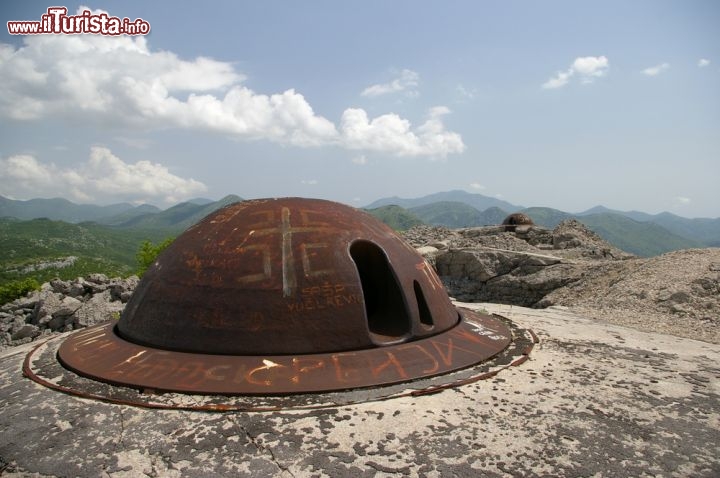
[
  {"x": 58, "y": 209},
  {"x": 493, "y": 216},
  {"x": 395, "y": 217},
  {"x": 28, "y": 245},
  {"x": 447, "y": 213},
  {"x": 129, "y": 215},
  {"x": 546, "y": 217},
  {"x": 705, "y": 231},
  {"x": 641, "y": 238},
  {"x": 29, "y": 248},
  {"x": 637, "y": 237},
  {"x": 645, "y": 239},
  {"x": 179, "y": 217},
  {"x": 457, "y": 214},
  {"x": 478, "y": 201}
]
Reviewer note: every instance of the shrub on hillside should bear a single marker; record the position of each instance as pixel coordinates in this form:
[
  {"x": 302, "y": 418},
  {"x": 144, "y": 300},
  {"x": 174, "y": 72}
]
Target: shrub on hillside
[
  {"x": 18, "y": 288},
  {"x": 147, "y": 254}
]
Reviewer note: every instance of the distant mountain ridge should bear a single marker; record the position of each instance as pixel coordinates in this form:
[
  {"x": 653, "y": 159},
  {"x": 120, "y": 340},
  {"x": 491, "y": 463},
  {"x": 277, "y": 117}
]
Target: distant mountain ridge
[
  {"x": 179, "y": 216},
  {"x": 58, "y": 209},
  {"x": 704, "y": 230},
  {"x": 643, "y": 238},
  {"x": 108, "y": 245},
  {"x": 396, "y": 217},
  {"x": 478, "y": 201},
  {"x": 637, "y": 232},
  {"x": 457, "y": 214},
  {"x": 680, "y": 231}
]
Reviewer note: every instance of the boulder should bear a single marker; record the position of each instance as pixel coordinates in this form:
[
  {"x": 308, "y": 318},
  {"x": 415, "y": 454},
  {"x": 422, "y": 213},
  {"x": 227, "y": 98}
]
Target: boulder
[
  {"x": 56, "y": 323},
  {"x": 26, "y": 331},
  {"x": 48, "y": 302},
  {"x": 97, "y": 309},
  {"x": 484, "y": 264},
  {"x": 27, "y": 302},
  {"x": 122, "y": 289},
  {"x": 77, "y": 289},
  {"x": 509, "y": 277},
  {"x": 67, "y": 307},
  {"x": 92, "y": 287},
  {"x": 60, "y": 286}
]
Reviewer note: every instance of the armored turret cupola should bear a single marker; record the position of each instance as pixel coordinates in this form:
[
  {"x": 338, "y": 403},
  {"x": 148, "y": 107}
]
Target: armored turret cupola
[
  {"x": 283, "y": 296},
  {"x": 516, "y": 219}
]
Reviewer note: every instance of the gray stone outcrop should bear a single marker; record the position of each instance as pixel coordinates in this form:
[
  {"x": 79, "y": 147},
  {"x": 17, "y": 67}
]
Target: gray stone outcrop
[
  {"x": 503, "y": 276},
  {"x": 519, "y": 267},
  {"x": 63, "y": 306}
]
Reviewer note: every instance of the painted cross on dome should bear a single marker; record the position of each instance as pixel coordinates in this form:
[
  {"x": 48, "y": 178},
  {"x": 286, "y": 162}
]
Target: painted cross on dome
[{"x": 268, "y": 226}]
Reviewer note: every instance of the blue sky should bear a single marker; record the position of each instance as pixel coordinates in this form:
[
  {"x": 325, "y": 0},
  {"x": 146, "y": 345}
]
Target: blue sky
[{"x": 559, "y": 104}]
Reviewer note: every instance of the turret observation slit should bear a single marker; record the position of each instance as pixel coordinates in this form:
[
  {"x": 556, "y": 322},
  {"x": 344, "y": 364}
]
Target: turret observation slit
[{"x": 385, "y": 308}]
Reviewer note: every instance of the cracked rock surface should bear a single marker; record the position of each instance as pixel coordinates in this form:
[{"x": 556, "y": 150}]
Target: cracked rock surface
[{"x": 595, "y": 399}]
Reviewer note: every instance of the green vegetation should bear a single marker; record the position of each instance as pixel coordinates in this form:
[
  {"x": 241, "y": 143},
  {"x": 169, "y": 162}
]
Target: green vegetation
[
  {"x": 396, "y": 217},
  {"x": 31, "y": 249},
  {"x": 177, "y": 218},
  {"x": 644, "y": 239},
  {"x": 57, "y": 209},
  {"x": 148, "y": 252},
  {"x": 457, "y": 214},
  {"x": 706, "y": 231},
  {"x": 448, "y": 213},
  {"x": 546, "y": 217},
  {"x": 478, "y": 201},
  {"x": 125, "y": 239},
  {"x": 703, "y": 230},
  {"x": 16, "y": 289}
]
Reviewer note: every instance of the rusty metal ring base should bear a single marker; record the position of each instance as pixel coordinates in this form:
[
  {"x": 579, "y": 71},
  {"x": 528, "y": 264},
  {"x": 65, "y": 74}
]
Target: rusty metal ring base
[{"x": 42, "y": 366}]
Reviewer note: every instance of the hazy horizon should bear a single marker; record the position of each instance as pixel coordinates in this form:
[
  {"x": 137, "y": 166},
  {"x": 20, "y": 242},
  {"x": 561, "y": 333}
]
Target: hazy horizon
[{"x": 369, "y": 203}]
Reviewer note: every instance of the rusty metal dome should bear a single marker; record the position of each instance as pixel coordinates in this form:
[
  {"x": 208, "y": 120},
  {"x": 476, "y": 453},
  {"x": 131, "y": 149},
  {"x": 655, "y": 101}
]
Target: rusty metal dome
[
  {"x": 517, "y": 219},
  {"x": 279, "y": 296}
]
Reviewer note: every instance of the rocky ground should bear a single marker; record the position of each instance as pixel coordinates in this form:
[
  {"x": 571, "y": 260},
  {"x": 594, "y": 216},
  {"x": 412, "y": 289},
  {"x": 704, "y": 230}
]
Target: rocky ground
[
  {"x": 63, "y": 306},
  {"x": 677, "y": 293},
  {"x": 593, "y": 400}
]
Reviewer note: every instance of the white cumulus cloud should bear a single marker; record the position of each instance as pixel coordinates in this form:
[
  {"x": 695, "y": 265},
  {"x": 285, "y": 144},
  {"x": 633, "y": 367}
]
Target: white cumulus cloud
[
  {"x": 310, "y": 182},
  {"x": 561, "y": 79},
  {"x": 477, "y": 186},
  {"x": 656, "y": 70},
  {"x": 683, "y": 200},
  {"x": 104, "y": 175},
  {"x": 586, "y": 68},
  {"x": 591, "y": 66},
  {"x": 122, "y": 81},
  {"x": 407, "y": 81},
  {"x": 392, "y": 134},
  {"x": 702, "y": 62}
]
